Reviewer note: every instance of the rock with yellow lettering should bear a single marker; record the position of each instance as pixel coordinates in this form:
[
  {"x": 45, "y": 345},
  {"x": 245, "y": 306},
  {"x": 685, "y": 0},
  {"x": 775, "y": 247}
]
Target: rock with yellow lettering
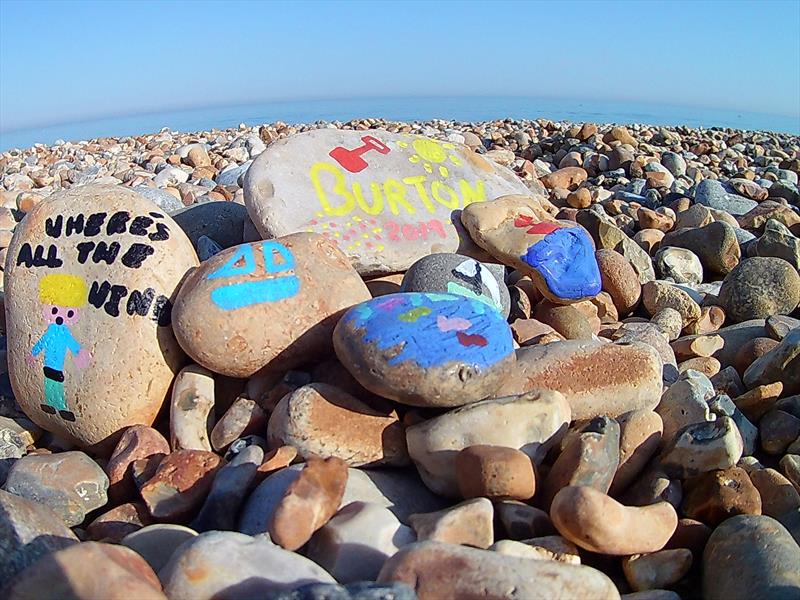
[
  {"x": 90, "y": 278},
  {"x": 272, "y": 302},
  {"x": 385, "y": 199},
  {"x": 426, "y": 349},
  {"x": 558, "y": 255}
]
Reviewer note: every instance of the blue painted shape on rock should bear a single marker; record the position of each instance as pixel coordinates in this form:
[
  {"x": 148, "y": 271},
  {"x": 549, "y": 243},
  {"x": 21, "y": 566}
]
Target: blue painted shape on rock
[
  {"x": 277, "y": 259},
  {"x": 565, "y": 259},
  {"x": 434, "y": 329}
]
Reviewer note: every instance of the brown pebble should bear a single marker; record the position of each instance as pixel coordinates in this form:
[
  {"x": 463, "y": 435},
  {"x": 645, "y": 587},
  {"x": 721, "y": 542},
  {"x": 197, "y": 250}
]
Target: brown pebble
[
  {"x": 180, "y": 484},
  {"x": 715, "y": 496},
  {"x": 751, "y": 350},
  {"x": 495, "y": 472},
  {"x": 137, "y": 442}
]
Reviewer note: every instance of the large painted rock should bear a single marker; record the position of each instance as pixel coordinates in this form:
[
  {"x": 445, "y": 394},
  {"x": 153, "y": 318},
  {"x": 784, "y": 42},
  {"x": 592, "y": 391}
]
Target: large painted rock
[
  {"x": 385, "y": 199},
  {"x": 91, "y": 275},
  {"x": 426, "y": 349},
  {"x": 272, "y": 302},
  {"x": 558, "y": 255}
]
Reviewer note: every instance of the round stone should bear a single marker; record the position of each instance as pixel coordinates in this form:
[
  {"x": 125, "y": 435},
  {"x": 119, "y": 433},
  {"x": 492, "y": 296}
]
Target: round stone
[
  {"x": 459, "y": 275},
  {"x": 90, "y": 279},
  {"x": 760, "y": 287},
  {"x": 425, "y": 349},
  {"x": 679, "y": 264},
  {"x": 252, "y": 304},
  {"x": 619, "y": 280}
]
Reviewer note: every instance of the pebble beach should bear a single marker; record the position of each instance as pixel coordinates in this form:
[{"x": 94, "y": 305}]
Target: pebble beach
[{"x": 377, "y": 360}]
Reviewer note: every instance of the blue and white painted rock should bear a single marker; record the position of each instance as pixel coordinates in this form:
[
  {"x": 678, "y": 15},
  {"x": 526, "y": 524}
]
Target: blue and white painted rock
[
  {"x": 385, "y": 199},
  {"x": 91, "y": 274},
  {"x": 426, "y": 349},
  {"x": 459, "y": 275},
  {"x": 558, "y": 255},
  {"x": 272, "y": 302}
]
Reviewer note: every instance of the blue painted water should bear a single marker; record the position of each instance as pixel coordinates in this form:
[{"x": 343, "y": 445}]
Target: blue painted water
[{"x": 401, "y": 109}]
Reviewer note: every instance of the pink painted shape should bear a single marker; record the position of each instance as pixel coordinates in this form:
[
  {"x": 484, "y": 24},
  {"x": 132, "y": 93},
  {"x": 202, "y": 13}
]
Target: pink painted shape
[{"x": 446, "y": 324}]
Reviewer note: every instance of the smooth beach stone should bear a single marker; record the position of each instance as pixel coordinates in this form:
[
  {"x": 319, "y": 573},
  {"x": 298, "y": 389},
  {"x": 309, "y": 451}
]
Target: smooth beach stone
[
  {"x": 136, "y": 442},
  {"x": 715, "y": 496},
  {"x": 598, "y": 523},
  {"x": 619, "y": 279},
  {"x": 551, "y": 547},
  {"x": 115, "y": 524},
  {"x": 596, "y": 378},
  {"x": 679, "y": 264},
  {"x": 639, "y": 439},
  {"x": 685, "y": 402},
  {"x": 557, "y": 255},
  {"x": 425, "y": 349},
  {"x": 262, "y": 502},
  {"x": 759, "y": 287},
  {"x": 751, "y": 556},
  {"x": 355, "y": 543},
  {"x": 520, "y": 521},
  {"x": 468, "y": 523},
  {"x": 28, "y": 531},
  {"x": 702, "y": 447},
  {"x": 781, "y": 364},
  {"x": 532, "y": 423},
  {"x": 319, "y": 419},
  {"x": 385, "y": 199},
  {"x": 272, "y": 303},
  {"x": 713, "y": 194},
  {"x": 779, "y": 242},
  {"x": 658, "y": 569},
  {"x": 223, "y": 222},
  {"x": 714, "y": 244},
  {"x": 459, "y": 275},
  {"x": 87, "y": 570},
  {"x": 362, "y": 590},
  {"x": 156, "y": 543},
  {"x": 70, "y": 483},
  {"x": 225, "y": 564},
  {"x": 242, "y": 418},
  {"x": 191, "y": 412},
  {"x": 452, "y": 572},
  {"x": 91, "y": 276},
  {"x": 495, "y": 472}
]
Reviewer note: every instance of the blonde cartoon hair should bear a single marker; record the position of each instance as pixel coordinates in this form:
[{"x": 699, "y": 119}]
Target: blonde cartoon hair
[{"x": 63, "y": 290}]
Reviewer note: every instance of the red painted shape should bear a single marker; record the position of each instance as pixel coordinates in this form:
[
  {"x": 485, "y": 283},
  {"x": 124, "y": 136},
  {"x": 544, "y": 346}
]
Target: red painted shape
[
  {"x": 543, "y": 227},
  {"x": 471, "y": 339},
  {"x": 351, "y": 159},
  {"x": 522, "y": 221}
]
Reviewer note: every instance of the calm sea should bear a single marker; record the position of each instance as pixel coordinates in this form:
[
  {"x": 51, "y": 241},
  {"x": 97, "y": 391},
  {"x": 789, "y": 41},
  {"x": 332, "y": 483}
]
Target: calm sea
[{"x": 401, "y": 109}]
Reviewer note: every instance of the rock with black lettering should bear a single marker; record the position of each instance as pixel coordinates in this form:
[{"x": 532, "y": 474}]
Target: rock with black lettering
[
  {"x": 385, "y": 199},
  {"x": 90, "y": 279},
  {"x": 269, "y": 303}
]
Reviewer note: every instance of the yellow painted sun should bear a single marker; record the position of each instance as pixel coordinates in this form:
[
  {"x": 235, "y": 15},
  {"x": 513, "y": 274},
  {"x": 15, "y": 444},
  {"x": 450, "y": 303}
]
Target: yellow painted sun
[{"x": 431, "y": 153}]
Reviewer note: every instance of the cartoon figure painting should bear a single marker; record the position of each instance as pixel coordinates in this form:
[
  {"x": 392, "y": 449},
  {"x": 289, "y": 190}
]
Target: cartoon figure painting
[{"x": 61, "y": 296}]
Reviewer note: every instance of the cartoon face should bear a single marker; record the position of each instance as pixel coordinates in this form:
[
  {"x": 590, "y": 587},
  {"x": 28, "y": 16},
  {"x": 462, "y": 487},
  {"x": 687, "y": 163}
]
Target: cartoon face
[{"x": 60, "y": 315}]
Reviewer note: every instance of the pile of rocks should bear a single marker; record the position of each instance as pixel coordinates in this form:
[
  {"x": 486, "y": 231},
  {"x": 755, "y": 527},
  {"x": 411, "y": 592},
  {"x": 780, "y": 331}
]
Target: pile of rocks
[{"x": 380, "y": 360}]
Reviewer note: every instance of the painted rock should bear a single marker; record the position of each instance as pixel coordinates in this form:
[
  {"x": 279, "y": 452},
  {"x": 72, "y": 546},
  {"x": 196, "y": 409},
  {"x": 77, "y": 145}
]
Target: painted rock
[
  {"x": 385, "y": 199},
  {"x": 558, "y": 255},
  {"x": 425, "y": 349},
  {"x": 274, "y": 299},
  {"x": 459, "y": 275},
  {"x": 91, "y": 275}
]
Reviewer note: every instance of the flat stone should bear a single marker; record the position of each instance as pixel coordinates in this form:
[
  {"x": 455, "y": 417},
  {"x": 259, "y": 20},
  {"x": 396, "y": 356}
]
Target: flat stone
[
  {"x": 703, "y": 447},
  {"x": 460, "y": 275},
  {"x": 619, "y": 279},
  {"x": 180, "y": 484},
  {"x": 557, "y": 255},
  {"x": 660, "y": 569},
  {"x": 425, "y": 349},
  {"x": 319, "y": 419},
  {"x": 778, "y": 495},
  {"x": 596, "y": 378},
  {"x": 87, "y": 570},
  {"x": 714, "y": 244},
  {"x": 136, "y": 443},
  {"x": 191, "y": 414},
  {"x": 389, "y": 197},
  {"x": 28, "y": 531},
  {"x": 243, "y": 417},
  {"x": 713, "y": 194},
  {"x": 157, "y": 543},
  {"x": 229, "y": 491},
  {"x": 355, "y": 543},
  {"x": 226, "y": 564},
  {"x": 260, "y": 505},
  {"x": 685, "y": 402},
  {"x": 308, "y": 502},
  {"x": 779, "y": 242},
  {"x": 468, "y": 523},
  {"x": 115, "y": 262},
  {"x": 751, "y": 556},
  {"x": 551, "y": 547},
  {"x": 115, "y": 524},
  {"x": 639, "y": 439},
  {"x": 718, "y": 495},
  {"x": 781, "y": 364},
  {"x": 531, "y": 423},
  {"x": 70, "y": 483},
  {"x": 447, "y": 571},
  {"x": 265, "y": 303}
]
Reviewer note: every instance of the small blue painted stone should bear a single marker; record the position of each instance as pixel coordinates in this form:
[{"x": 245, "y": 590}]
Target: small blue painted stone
[{"x": 425, "y": 349}]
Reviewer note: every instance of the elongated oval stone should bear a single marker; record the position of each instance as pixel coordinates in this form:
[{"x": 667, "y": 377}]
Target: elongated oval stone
[
  {"x": 385, "y": 199},
  {"x": 425, "y": 349},
  {"x": 91, "y": 274}
]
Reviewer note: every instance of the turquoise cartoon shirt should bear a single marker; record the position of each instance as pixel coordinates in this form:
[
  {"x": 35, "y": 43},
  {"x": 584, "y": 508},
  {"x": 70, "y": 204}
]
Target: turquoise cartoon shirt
[{"x": 54, "y": 343}]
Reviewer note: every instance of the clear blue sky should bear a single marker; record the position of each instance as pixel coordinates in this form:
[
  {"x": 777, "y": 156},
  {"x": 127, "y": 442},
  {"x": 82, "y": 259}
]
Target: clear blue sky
[{"x": 66, "y": 61}]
